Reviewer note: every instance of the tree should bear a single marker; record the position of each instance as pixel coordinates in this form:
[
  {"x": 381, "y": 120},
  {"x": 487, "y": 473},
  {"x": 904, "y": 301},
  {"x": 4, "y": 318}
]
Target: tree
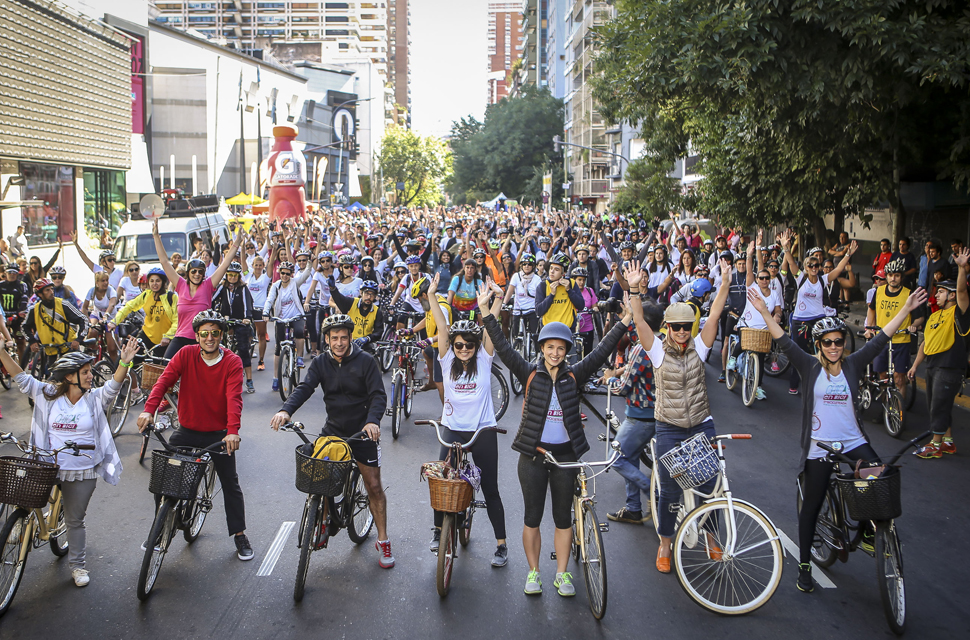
[
  {"x": 418, "y": 164},
  {"x": 505, "y": 152},
  {"x": 648, "y": 191},
  {"x": 796, "y": 109}
]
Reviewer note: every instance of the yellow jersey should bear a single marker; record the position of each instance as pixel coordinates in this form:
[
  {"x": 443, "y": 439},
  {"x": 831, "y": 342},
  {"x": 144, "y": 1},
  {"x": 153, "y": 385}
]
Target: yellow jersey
[
  {"x": 363, "y": 323},
  {"x": 562, "y": 309},
  {"x": 430, "y": 327},
  {"x": 887, "y": 306}
]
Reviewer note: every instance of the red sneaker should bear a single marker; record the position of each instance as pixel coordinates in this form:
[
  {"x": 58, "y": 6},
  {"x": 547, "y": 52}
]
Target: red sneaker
[
  {"x": 929, "y": 451},
  {"x": 947, "y": 446},
  {"x": 386, "y": 560}
]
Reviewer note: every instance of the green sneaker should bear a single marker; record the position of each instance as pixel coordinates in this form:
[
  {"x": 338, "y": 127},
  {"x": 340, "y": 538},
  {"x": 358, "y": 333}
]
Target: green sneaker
[
  {"x": 533, "y": 585},
  {"x": 564, "y": 584}
]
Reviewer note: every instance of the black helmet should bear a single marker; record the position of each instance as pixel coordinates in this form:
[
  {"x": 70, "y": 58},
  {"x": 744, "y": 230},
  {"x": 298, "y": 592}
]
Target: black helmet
[
  {"x": 466, "y": 328},
  {"x": 828, "y": 325},
  {"x": 528, "y": 258},
  {"x": 337, "y": 321},
  {"x": 68, "y": 364},
  {"x": 234, "y": 267},
  {"x": 194, "y": 263},
  {"x": 561, "y": 259},
  {"x": 579, "y": 272},
  {"x": 206, "y": 316}
]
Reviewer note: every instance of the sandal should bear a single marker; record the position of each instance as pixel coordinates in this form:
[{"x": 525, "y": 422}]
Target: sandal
[{"x": 260, "y": 366}]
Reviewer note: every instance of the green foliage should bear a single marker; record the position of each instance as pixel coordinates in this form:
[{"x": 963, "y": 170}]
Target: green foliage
[
  {"x": 420, "y": 163},
  {"x": 648, "y": 191},
  {"x": 796, "y": 109},
  {"x": 506, "y": 151}
]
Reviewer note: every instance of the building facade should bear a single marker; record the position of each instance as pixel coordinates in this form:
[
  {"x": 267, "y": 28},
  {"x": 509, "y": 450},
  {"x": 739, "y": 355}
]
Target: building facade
[
  {"x": 533, "y": 68},
  {"x": 399, "y": 61},
  {"x": 504, "y": 46},
  {"x": 558, "y": 37}
]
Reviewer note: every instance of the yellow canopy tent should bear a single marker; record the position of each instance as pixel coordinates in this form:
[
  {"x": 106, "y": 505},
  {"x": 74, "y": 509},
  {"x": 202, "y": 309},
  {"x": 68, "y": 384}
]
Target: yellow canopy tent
[{"x": 244, "y": 198}]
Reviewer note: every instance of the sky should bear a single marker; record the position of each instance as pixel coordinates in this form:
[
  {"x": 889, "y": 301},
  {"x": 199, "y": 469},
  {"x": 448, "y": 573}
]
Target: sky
[{"x": 448, "y": 63}]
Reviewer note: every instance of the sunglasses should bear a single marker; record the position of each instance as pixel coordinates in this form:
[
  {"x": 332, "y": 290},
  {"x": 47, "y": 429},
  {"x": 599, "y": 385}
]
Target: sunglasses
[
  {"x": 812, "y": 266},
  {"x": 461, "y": 346},
  {"x": 35, "y": 264},
  {"x": 400, "y": 273},
  {"x": 764, "y": 277},
  {"x": 106, "y": 260},
  {"x": 328, "y": 259},
  {"x": 205, "y": 333},
  {"x": 828, "y": 342},
  {"x": 285, "y": 273},
  {"x": 191, "y": 271},
  {"x": 348, "y": 266},
  {"x": 680, "y": 326},
  {"x": 57, "y": 277},
  {"x": 133, "y": 269}
]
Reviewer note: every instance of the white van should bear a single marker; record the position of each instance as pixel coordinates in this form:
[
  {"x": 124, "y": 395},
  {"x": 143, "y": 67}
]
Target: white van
[{"x": 179, "y": 231}]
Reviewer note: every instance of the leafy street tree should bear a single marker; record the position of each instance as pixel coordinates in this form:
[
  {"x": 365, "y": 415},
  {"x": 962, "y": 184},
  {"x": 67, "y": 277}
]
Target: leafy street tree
[
  {"x": 508, "y": 150},
  {"x": 796, "y": 109},
  {"x": 419, "y": 164}
]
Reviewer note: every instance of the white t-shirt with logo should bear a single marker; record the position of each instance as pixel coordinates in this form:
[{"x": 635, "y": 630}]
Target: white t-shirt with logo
[
  {"x": 525, "y": 292},
  {"x": 468, "y": 402},
  {"x": 70, "y": 422},
  {"x": 808, "y": 300},
  {"x": 834, "y": 417},
  {"x": 258, "y": 288},
  {"x": 554, "y": 430},
  {"x": 752, "y": 318}
]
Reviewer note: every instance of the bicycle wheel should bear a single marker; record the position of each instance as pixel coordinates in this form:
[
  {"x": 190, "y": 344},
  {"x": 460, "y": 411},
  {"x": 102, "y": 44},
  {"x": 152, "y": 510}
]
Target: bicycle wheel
[
  {"x": 283, "y": 371},
  {"x": 889, "y": 574},
  {"x": 143, "y": 450},
  {"x": 516, "y": 384},
  {"x": 446, "y": 555},
  {"x": 731, "y": 376},
  {"x": 777, "y": 362},
  {"x": 310, "y": 527},
  {"x": 892, "y": 412},
  {"x": 594, "y": 562},
  {"x": 58, "y": 537},
  {"x": 11, "y": 566},
  {"x": 849, "y": 342},
  {"x": 465, "y": 527},
  {"x": 729, "y": 584},
  {"x": 162, "y": 532},
  {"x": 397, "y": 384},
  {"x": 201, "y": 505},
  {"x": 655, "y": 499},
  {"x": 823, "y": 553},
  {"x": 865, "y": 395},
  {"x": 500, "y": 393},
  {"x": 119, "y": 408},
  {"x": 5, "y": 378},
  {"x": 361, "y": 519},
  {"x": 574, "y": 541},
  {"x": 407, "y": 391},
  {"x": 909, "y": 399},
  {"x": 385, "y": 357},
  {"x": 749, "y": 386}
]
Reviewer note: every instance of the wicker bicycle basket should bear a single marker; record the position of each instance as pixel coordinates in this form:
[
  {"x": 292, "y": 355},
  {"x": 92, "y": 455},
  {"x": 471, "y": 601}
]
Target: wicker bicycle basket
[
  {"x": 26, "y": 483},
  {"x": 318, "y": 476},
  {"x": 692, "y": 463},
  {"x": 873, "y": 499},
  {"x": 150, "y": 374},
  {"x": 450, "y": 495},
  {"x": 176, "y": 475},
  {"x": 756, "y": 340}
]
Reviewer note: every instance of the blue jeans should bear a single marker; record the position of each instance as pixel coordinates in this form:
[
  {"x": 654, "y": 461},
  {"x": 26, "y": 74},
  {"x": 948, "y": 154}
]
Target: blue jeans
[
  {"x": 633, "y": 435},
  {"x": 668, "y": 437}
]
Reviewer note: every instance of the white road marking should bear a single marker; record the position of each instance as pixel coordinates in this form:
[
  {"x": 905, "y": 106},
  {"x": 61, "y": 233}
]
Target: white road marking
[
  {"x": 275, "y": 549},
  {"x": 792, "y": 549}
]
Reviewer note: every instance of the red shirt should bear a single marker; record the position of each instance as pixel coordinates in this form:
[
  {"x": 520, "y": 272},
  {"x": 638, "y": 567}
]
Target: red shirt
[
  {"x": 881, "y": 260},
  {"x": 210, "y": 397}
]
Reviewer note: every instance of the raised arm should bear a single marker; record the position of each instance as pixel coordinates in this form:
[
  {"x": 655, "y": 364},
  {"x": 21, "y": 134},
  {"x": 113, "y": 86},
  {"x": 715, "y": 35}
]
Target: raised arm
[
  {"x": 167, "y": 267},
  {"x": 440, "y": 321},
  {"x": 84, "y": 257},
  {"x": 834, "y": 273},
  {"x": 709, "y": 332},
  {"x": 749, "y": 262},
  {"x": 220, "y": 271},
  {"x": 961, "y": 259}
]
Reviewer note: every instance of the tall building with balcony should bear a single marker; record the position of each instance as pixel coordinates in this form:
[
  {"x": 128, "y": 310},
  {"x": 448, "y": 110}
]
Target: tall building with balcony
[
  {"x": 558, "y": 42},
  {"x": 532, "y": 71},
  {"x": 399, "y": 46},
  {"x": 504, "y": 46}
]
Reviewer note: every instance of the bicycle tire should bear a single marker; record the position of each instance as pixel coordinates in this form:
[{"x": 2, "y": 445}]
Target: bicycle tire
[
  {"x": 703, "y": 577},
  {"x": 59, "y": 533},
  {"x": 5, "y": 378},
  {"x": 310, "y": 526},
  {"x": 162, "y": 532},
  {"x": 865, "y": 396},
  {"x": 407, "y": 392},
  {"x": 361, "y": 520},
  {"x": 655, "y": 500},
  {"x": 909, "y": 399},
  {"x": 731, "y": 376},
  {"x": 749, "y": 385},
  {"x": 446, "y": 555},
  {"x": 889, "y": 574},
  {"x": 143, "y": 450},
  {"x": 519, "y": 346},
  {"x": 385, "y": 358},
  {"x": 11, "y": 568},
  {"x": 201, "y": 505},
  {"x": 823, "y": 554},
  {"x": 500, "y": 396},
  {"x": 594, "y": 562},
  {"x": 283, "y": 370},
  {"x": 120, "y": 407},
  {"x": 465, "y": 527},
  {"x": 849, "y": 342},
  {"x": 776, "y": 356},
  {"x": 295, "y": 373},
  {"x": 396, "y": 384},
  {"x": 892, "y": 412}
]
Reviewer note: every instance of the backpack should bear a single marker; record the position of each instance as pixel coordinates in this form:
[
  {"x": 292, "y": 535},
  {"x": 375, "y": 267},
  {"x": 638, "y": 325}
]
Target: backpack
[{"x": 331, "y": 448}]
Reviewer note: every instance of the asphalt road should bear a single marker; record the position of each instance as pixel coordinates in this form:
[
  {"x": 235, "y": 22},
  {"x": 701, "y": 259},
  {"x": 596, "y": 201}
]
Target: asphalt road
[{"x": 204, "y": 591}]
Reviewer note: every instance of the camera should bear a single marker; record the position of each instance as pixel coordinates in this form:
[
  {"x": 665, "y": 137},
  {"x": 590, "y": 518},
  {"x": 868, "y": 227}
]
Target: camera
[{"x": 610, "y": 305}]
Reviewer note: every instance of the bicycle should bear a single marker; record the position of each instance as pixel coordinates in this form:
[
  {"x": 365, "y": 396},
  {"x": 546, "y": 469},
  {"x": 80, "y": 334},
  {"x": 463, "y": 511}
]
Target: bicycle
[
  {"x": 736, "y": 568},
  {"x": 587, "y": 543},
  {"x": 38, "y": 363},
  {"x": 404, "y": 382},
  {"x": 286, "y": 371},
  {"x": 184, "y": 481},
  {"x": 522, "y": 342},
  {"x": 384, "y": 349},
  {"x": 872, "y": 387},
  {"x": 28, "y": 486},
  {"x": 875, "y": 500},
  {"x": 454, "y": 497},
  {"x": 754, "y": 344},
  {"x": 166, "y": 415},
  {"x": 336, "y": 499},
  {"x": 229, "y": 338}
]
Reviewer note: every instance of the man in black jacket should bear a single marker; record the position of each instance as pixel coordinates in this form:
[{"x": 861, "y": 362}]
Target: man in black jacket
[{"x": 353, "y": 393}]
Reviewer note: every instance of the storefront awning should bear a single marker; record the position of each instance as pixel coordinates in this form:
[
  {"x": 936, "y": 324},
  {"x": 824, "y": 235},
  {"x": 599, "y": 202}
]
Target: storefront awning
[{"x": 138, "y": 179}]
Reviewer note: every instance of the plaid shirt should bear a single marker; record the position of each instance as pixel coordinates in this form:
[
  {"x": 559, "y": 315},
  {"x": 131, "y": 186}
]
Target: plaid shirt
[{"x": 638, "y": 387}]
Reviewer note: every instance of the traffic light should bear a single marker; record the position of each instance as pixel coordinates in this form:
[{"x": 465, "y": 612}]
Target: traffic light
[{"x": 556, "y": 140}]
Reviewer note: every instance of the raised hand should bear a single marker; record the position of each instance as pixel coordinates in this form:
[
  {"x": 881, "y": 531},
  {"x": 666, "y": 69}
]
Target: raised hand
[
  {"x": 129, "y": 349},
  {"x": 757, "y": 301},
  {"x": 434, "y": 283},
  {"x": 915, "y": 299},
  {"x": 632, "y": 273},
  {"x": 962, "y": 257},
  {"x": 853, "y": 247},
  {"x": 484, "y": 296}
]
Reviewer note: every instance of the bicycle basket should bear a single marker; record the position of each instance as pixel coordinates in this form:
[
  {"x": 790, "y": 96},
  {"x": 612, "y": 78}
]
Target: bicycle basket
[
  {"x": 692, "y": 463},
  {"x": 26, "y": 483},
  {"x": 318, "y": 476},
  {"x": 758, "y": 340},
  {"x": 176, "y": 475},
  {"x": 450, "y": 495},
  {"x": 873, "y": 499},
  {"x": 150, "y": 374}
]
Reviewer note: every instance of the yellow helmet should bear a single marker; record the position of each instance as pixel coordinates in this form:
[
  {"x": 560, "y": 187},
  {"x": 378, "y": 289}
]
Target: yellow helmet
[{"x": 420, "y": 287}]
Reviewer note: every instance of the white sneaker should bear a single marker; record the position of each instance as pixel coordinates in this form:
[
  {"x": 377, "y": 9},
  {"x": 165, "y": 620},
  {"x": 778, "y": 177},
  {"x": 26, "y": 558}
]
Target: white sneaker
[
  {"x": 81, "y": 577},
  {"x": 731, "y": 363}
]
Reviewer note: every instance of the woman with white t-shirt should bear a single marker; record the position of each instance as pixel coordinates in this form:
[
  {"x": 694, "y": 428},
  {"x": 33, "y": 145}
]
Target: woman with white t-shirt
[
  {"x": 809, "y": 295},
  {"x": 751, "y": 319},
  {"x": 522, "y": 290},
  {"x": 466, "y": 367},
  {"x": 258, "y": 284},
  {"x": 128, "y": 288},
  {"x": 830, "y": 381}
]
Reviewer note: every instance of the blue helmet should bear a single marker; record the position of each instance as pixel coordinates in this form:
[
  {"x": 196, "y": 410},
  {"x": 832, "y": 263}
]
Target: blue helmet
[
  {"x": 413, "y": 260},
  {"x": 158, "y": 271},
  {"x": 556, "y": 331},
  {"x": 700, "y": 287}
]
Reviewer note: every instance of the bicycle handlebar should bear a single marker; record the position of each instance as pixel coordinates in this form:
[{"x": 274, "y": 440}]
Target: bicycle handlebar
[
  {"x": 582, "y": 463},
  {"x": 30, "y": 449},
  {"x": 466, "y": 446},
  {"x": 837, "y": 454},
  {"x": 297, "y": 428},
  {"x": 212, "y": 448}
]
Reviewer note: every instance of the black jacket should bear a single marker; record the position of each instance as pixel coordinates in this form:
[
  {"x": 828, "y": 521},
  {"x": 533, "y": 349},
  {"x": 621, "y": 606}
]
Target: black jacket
[
  {"x": 353, "y": 391},
  {"x": 241, "y": 307},
  {"x": 344, "y": 304},
  {"x": 535, "y": 405}
]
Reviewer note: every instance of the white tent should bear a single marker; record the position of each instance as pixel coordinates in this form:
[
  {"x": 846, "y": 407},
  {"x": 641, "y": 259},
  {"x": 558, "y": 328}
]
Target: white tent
[{"x": 491, "y": 204}]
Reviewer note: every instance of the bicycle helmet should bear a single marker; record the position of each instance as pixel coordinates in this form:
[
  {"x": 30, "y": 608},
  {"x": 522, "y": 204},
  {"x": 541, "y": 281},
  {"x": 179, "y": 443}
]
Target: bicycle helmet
[
  {"x": 494, "y": 244},
  {"x": 234, "y": 267},
  {"x": 345, "y": 259},
  {"x": 368, "y": 285},
  {"x": 828, "y": 325},
  {"x": 700, "y": 287},
  {"x": 582, "y": 247},
  {"x": 556, "y": 331},
  {"x": 627, "y": 244},
  {"x": 106, "y": 254},
  {"x": 742, "y": 256},
  {"x": 466, "y": 328},
  {"x": 949, "y": 285},
  {"x": 561, "y": 259},
  {"x": 42, "y": 283},
  {"x": 813, "y": 251},
  {"x": 579, "y": 272},
  {"x": 337, "y": 321},
  {"x": 303, "y": 253},
  {"x": 207, "y": 316},
  {"x": 286, "y": 265},
  {"x": 194, "y": 263},
  {"x": 708, "y": 243},
  {"x": 479, "y": 252},
  {"x": 69, "y": 363},
  {"x": 366, "y": 259},
  {"x": 143, "y": 279},
  {"x": 679, "y": 312},
  {"x": 12, "y": 268},
  {"x": 527, "y": 258},
  {"x": 895, "y": 266},
  {"x": 545, "y": 240},
  {"x": 57, "y": 271},
  {"x": 158, "y": 271},
  {"x": 325, "y": 254},
  {"x": 701, "y": 271},
  {"x": 420, "y": 287}
]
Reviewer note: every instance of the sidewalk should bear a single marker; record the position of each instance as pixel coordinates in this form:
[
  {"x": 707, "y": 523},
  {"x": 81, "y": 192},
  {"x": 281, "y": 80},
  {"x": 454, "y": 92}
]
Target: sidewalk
[{"x": 857, "y": 320}]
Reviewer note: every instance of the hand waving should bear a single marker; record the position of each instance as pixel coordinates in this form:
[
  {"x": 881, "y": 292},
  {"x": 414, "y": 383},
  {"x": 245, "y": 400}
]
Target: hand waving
[{"x": 632, "y": 273}]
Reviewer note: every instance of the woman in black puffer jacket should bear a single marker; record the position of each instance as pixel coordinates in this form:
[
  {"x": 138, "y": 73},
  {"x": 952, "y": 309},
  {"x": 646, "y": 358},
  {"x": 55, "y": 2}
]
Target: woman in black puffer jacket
[{"x": 551, "y": 420}]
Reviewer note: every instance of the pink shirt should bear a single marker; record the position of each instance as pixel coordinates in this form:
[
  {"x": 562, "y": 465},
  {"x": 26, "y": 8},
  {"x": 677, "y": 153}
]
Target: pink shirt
[{"x": 189, "y": 306}]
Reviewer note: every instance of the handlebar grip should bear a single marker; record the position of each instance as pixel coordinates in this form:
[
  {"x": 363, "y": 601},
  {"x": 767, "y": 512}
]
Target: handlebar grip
[
  {"x": 85, "y": 447},
  {"x": 502, "y": 431},
  {"x": 422, "y": 422},
  {"x": 541, "y": 451},
  {"x": 740, "y": 436}
]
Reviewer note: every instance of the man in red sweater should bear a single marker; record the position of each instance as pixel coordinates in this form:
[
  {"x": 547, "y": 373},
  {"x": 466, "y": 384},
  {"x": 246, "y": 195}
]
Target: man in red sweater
[{"x": 210, "y": 405}]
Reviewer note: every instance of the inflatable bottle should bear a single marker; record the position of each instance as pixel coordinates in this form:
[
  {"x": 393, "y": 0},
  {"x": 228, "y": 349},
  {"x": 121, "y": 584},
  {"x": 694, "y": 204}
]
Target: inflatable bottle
[{"x": 287, "y": 175}]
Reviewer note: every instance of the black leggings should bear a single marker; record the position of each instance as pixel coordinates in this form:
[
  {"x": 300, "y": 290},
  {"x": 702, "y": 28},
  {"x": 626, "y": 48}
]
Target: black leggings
[
  {"x": 176, "y": 345},
  {"x": 535, "y": 474},
  {"x": 244, "y": 334},
  {"x": 485, "y": 455},
  {"x": 815, "y": 484}
]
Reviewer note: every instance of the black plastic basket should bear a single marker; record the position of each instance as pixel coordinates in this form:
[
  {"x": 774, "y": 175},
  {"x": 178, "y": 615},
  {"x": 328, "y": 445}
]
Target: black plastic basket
[
  {"x": 26, "y": 483},
  {"x": 176, "y": 475},
  {"x": 875, "y": 499},
  {"x": 320, "y": 477}
]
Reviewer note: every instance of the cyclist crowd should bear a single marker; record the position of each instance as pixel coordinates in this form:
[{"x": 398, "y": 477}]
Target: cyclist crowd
[{"x": 601, "y": 298}]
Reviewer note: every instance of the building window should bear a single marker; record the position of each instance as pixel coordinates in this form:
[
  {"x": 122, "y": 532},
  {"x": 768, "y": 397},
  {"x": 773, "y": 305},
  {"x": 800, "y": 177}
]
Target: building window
[
  {"x": 104, "y": 201},
  {"x": 52, "y": 187}
]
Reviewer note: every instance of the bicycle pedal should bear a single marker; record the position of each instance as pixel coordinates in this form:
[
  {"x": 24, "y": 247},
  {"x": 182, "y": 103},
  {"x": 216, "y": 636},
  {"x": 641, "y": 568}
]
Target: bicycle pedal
[
  {"x": 479, "y": 504},
  {"x": 604, "y": 527},
  {"x": 601, "y": 437},
  {"x": 674, "y": 508},
  {"x": 552, "y": 556}
]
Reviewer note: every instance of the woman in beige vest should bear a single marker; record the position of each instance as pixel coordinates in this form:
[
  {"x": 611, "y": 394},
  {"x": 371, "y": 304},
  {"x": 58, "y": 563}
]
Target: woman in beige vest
[{"x": 680, "y": 389}]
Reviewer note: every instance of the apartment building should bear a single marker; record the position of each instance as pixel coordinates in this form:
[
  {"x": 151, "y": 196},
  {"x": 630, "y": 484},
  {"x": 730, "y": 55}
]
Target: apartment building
[
  {"x": 505, "y": 45},
  {"x": 399, "y": 62},
  {"x": 533, "y": 68}
]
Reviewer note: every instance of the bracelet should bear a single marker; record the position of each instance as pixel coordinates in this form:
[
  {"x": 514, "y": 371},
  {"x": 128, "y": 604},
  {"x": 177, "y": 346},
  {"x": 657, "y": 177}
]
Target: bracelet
[{"x": 128, "y": 365}]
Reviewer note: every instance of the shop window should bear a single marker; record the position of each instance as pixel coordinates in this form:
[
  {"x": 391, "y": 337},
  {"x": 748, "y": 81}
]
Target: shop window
[
  {"x": 104, "y": 201},
  {"x": 52, "y": 217}
]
